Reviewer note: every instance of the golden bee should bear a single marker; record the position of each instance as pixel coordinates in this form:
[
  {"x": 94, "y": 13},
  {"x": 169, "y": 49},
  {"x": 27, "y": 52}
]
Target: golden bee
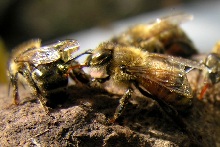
[
  {"x": 211, "y": 73},
  {"x": 162, "y": 36},
  {"x": 45, "y": 69},
  {"x": 122, "y": 69}
]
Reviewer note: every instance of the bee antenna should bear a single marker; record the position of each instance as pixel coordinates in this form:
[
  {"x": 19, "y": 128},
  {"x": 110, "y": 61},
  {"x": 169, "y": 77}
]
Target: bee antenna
[{"x": 89, "y": 51}]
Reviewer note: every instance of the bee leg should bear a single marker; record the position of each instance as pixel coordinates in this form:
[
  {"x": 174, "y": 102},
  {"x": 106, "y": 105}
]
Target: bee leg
[
  {"x": 173, "y": 115},
  {"x": 170, "y": 111},
  {"x": 122, "y": 104},
  {"x": 35, "y": 90},
  {"x": 79, "y": 76},
  {"x": 14, "y": 83},
  {"x": 43, "y": 104}
]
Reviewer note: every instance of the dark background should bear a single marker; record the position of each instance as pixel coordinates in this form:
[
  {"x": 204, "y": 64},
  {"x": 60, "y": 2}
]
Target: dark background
[{"x": 21, "y": 20}]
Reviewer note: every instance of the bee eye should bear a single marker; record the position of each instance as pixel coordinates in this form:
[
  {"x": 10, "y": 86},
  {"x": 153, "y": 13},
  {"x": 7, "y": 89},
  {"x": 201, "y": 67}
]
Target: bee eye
[
  {"x": 123, "y": 68},
  {"x": 101, "y": 57}
]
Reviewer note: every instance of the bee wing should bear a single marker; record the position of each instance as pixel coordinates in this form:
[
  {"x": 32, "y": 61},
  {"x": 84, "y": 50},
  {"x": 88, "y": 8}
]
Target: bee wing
[
  {"x": 38, "y": 56},
  {"x": 34, "y": 43},
  {"x": 179, "y": 62},
  {"x": 167, "y": 23},
  {"x": 176, "y": 19},
  {"x": 172, "y": 80}
]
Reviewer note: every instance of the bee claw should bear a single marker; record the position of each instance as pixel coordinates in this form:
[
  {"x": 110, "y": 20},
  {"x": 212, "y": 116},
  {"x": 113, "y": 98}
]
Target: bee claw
[
  {"x": 47, "y": 110},
  {"x": 16, "y": 102},
  {"x": 16, "y": 99}
]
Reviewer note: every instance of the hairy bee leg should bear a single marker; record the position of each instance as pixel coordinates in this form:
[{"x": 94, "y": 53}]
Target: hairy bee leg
[
  {"x": 14, "y": 83},
  {"x": 168, "y": 109},
  {"x": 35, "y": 90},
  {"x": 43, "y": 104},
  {"x": 172, "y": 114},
  {"x": 122, "y": 104},
  {"x": 79, "y": 76}
]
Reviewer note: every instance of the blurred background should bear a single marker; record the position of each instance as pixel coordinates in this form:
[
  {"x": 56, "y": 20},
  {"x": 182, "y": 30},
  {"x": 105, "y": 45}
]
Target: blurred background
[{"x": 91, "y": 22}]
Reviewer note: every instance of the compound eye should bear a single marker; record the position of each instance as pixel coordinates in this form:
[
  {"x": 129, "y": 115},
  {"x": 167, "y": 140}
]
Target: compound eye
[{"x": 101, "y": 57}]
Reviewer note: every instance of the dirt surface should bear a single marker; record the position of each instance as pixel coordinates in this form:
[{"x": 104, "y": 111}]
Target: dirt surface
[{"x": 83, "y": 121}]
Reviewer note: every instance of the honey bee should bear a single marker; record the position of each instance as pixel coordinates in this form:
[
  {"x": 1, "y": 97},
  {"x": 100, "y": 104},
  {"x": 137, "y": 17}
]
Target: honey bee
[
  {"x": 45, "y": 69},
  {"x": 212, "y": 70},
  {"x": 162, "y": 36},
  {"x": 122, "y": 69}
]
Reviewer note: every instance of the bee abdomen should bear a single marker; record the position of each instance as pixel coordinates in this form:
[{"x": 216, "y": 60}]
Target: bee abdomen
[{"x": 173, "y": 98}]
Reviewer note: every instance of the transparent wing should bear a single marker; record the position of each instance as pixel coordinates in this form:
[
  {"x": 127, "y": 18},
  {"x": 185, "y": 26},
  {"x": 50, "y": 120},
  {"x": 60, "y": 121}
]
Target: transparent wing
[
  {"x": 61, "y": 50},
  {"x": 39, "y": 56},
  {"x": 152, "y": 29},
  {"x": 177, "y": 61},
  {"x": 166, "y": 71},
  {"x": 167, "y": 23},
  {"x": 176, "y": 19},
  {"x": 68, "y": 49},
  {"x": 174, "y": 81},
  {"x": 34, "y": 43}
]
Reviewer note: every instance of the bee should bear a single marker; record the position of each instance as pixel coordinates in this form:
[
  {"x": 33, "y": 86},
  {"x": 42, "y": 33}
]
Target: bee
[
  {"x": 122, "y": 69},
  {"x": 212, "y": 71},
  {"x": 162, "y": 36},
  {"x": 45, "y": 69}
]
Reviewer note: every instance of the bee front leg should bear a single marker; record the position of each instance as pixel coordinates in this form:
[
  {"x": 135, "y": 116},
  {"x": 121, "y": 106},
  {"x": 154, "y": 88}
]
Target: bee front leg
[
  {"x": 79, "y": 76},
  {"x": 14, "y": 83},
  {"x": 35, "y": 90},
  {"x": 122, "y": 104},
  {"x": 168, "y": 109}
]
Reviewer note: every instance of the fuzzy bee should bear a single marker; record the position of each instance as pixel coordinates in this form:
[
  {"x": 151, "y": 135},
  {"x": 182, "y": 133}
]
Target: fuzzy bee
[
  {"x": 162, "y": 36},
  {"x": 122, "y": 69},
  {"x": 45, "y": 69}
]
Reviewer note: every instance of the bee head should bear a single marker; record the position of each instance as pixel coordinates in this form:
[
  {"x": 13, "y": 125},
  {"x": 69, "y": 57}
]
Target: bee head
[{"x": 101, "y": 56}]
